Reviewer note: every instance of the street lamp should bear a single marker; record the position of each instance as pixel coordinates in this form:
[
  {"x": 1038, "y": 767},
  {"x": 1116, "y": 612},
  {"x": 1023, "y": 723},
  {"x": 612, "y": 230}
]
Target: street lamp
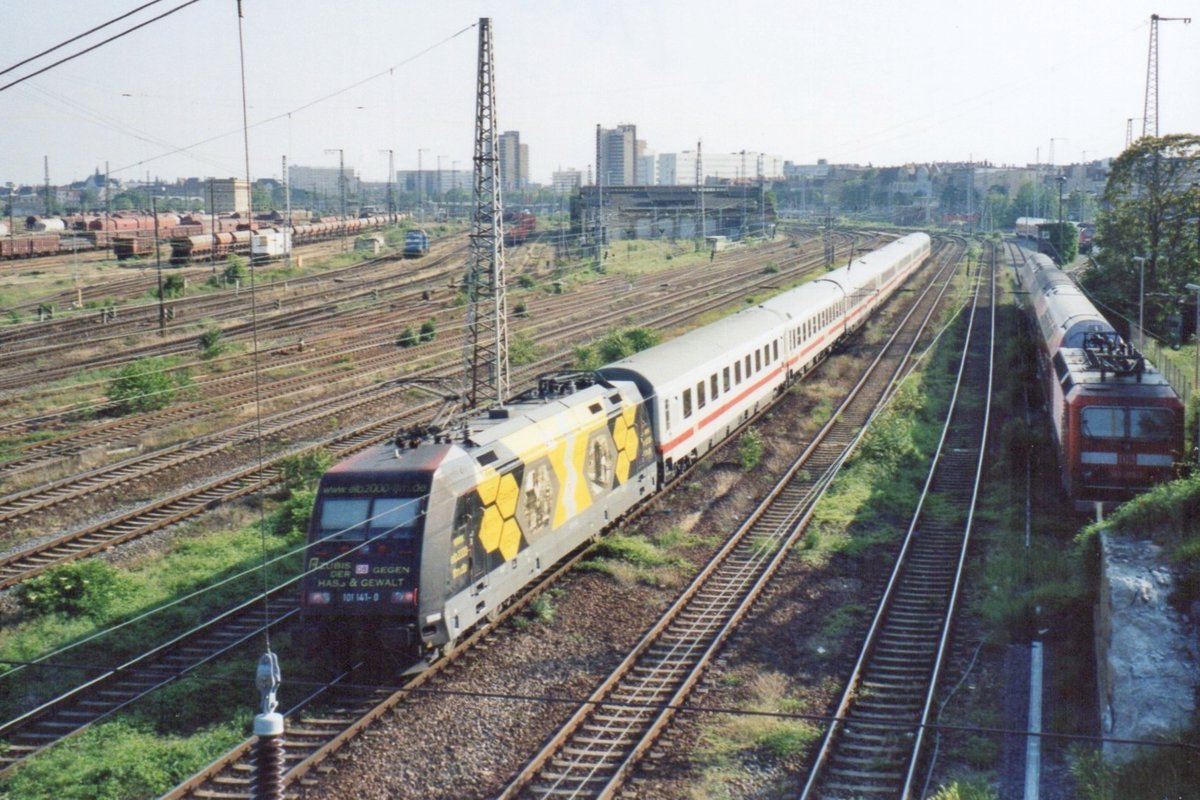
[{"x": 1141, "y": 262}]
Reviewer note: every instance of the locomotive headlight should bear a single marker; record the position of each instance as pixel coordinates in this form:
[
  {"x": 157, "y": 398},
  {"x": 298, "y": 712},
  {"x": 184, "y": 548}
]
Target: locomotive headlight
[
  {"x": 319, "y": 598},
  {"x": 409, "y": 597}
]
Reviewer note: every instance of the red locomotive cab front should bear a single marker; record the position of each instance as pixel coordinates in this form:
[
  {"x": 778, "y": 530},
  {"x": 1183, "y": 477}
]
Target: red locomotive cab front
[{"x": 1125, "y": 448}]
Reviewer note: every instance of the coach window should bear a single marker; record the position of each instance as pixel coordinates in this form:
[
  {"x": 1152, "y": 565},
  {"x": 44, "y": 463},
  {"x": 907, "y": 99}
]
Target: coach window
[
  {"x": 737, "y": 371},
  {"x": 687, "y": 403},
  {"x": 775, "y": 349},
  {"x": 725, "y": 379},
  {"x": 700, "y": 395},
  {"x": 748, "y": 372},
  {"x": 712, "y": 385},
  {"x": 757, "y": 360}
]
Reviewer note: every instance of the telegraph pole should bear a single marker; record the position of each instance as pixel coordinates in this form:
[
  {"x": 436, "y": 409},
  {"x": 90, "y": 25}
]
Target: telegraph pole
[
  {"x": 341, "y": 185},
  {"x": 700, "y": 190},
  {"x": 1150, "y": 112},
  {"x": 485, "y": 350},
  {"x": 391, "y": 177}
]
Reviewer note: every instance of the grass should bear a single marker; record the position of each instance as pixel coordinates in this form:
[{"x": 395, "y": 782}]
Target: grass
[
  {"x": 632, "y": 559},
  {"x": 726, "y": 743},
  {"x": 189, "y": 565}
]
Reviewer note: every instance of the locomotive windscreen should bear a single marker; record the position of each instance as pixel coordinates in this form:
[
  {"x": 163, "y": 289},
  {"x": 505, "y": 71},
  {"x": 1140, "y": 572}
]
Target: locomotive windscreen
[
  {"x": 1117, "y": 422},
  {"x": 356, "y": 519}
]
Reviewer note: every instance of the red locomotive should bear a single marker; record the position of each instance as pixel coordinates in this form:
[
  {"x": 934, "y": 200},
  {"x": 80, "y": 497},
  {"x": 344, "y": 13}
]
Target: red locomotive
[{"x": 1117, "y": 422}]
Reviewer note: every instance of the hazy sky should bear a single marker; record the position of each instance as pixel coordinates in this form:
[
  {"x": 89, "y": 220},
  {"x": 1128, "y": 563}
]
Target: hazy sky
[{"x": 850, "y": 81}]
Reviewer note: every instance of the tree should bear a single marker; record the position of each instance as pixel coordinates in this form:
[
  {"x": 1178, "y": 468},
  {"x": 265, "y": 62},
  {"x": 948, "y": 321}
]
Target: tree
[{"x": 1152, "y": 211}]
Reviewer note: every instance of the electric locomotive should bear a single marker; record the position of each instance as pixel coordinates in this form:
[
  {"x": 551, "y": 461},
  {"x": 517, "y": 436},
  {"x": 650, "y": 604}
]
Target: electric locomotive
[
  {"x": 1117, "y": 423},
  {"x": 412, "y": 543}
]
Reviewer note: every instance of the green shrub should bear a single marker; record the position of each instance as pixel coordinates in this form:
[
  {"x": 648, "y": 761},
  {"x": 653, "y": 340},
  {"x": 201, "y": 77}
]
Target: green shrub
[
  {"x": 211, "y": 344},
  {"x": 145, "y": 385},
  {"x": 522, "y": 350},
  {"x": 969, "y": 790},
  {"x": 750, "y": 450},
  {"x": 526, "y": 281},
  {"x": 88, "y": 587},
  {"x": 235, "y": 269},
  {"x": 173, "y": 286},
  {"x": 303, "y": 469},
  {"x": 290, "y": 520},
  {"x": 771, "y": 268},
  {"x": 428, "y": 330},
  {"x": 407, "y": 337}
]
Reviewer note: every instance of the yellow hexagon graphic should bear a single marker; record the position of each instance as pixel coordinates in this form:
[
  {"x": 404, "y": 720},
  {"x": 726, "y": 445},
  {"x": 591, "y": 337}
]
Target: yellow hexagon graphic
[
  {"x": 487, "y": 490},
  {"x": 622, "y": 467},
  {"x": 629, "y": 416},
  {"x": 510, "y": 539},
  {"x": 619, "y": 429},
  {"x": 507, "y": 495},
  {"x": 630, "y": 446},
  {"x": 490, "y": 528}
]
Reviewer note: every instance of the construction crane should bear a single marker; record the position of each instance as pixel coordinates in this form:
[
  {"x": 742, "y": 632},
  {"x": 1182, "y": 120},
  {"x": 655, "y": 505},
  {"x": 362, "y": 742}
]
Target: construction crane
[
  {"x": 485, "y": 350},
  {"x": 1150, "y": 117}
]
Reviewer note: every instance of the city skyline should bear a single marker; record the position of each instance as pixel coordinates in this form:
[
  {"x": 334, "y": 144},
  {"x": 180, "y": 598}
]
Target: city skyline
[{"x": 802, "y": 80}]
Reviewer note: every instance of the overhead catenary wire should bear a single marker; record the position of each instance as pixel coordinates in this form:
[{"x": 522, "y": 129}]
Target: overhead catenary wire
[
  {"x": 287, "y": 114},
  {"x": 88, "y": 32},
  {"x": 98, "y": 45},
  {"x": 685, "y": 706}
]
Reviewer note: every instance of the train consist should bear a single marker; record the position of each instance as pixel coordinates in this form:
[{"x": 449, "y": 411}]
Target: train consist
[
  {"x": 412, "y": 543},
  {"x": 268, "y": 239},
  {"x": 193, "y": 237},
  {"x": 1117, "y": 423}
]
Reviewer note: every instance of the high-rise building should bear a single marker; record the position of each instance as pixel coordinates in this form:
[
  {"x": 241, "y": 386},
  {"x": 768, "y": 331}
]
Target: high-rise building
[
  {"x": 565, "y": 181},
  {"x": 616, "y": 155},
  {"x": 514, "y": 161}
]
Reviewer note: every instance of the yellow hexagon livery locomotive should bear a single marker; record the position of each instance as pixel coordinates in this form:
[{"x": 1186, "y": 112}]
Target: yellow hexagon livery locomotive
[{"x": 410, "y": 545}]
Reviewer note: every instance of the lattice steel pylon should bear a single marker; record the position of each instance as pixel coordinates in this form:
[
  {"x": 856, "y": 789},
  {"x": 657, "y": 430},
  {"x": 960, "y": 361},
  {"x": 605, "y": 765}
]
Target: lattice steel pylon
[
  {"x": 485, "y": 351},
  {"x": 1150, "y": 115}
]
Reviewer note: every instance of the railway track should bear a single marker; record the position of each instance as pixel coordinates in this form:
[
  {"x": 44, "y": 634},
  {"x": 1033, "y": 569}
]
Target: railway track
[
  {"x": 114, "y": 689},
  {"x": 133, "y": 317},
  {"x": 111, "y": 690},
  {"x": 315, "y": 735},
  {"x": 21, "y": 565},
  {"x": 225, "y": 391},
  {"x": 329, "y": 289},
  {"x": 874, "y": 747},
  {"x": 596, "y": 750}
]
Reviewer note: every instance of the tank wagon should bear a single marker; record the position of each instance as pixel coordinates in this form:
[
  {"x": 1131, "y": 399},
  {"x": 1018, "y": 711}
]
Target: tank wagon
[
  {"x": 1117, "y": 423},
  {"x": 412, "y": 543}
]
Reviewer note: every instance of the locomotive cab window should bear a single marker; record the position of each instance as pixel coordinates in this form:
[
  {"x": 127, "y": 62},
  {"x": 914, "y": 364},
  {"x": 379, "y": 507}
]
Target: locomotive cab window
[
  {"x": 354, "y": 519},
  {"x": 1151, "y": 423}
]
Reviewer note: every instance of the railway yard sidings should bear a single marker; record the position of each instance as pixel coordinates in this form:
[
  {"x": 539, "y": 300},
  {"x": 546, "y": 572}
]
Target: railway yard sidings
[{"x": 504, "y": 714}]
